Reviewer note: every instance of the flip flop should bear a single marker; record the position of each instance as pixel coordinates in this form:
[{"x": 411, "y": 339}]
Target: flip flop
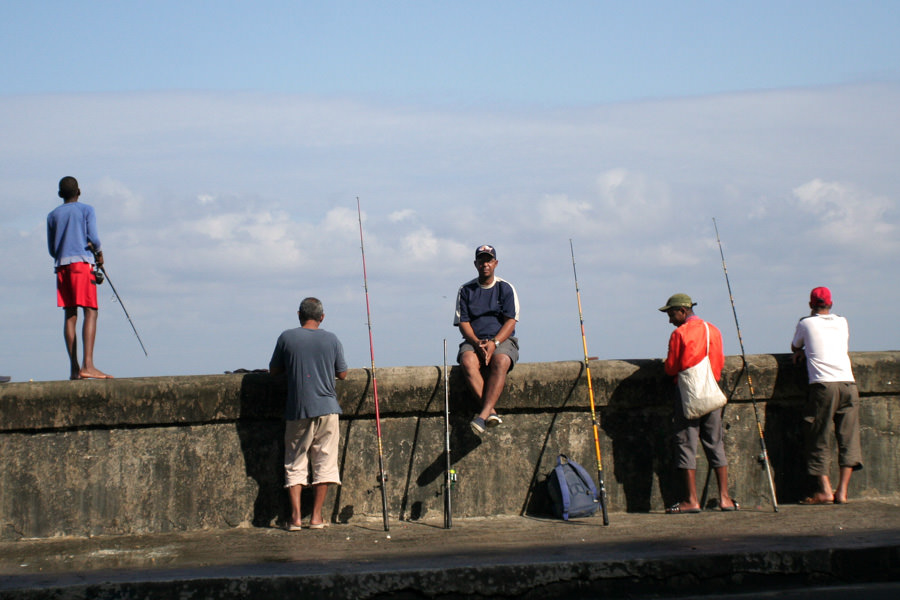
[
  {"x": 292, "y": 527},
  {"x": 675, "y": 509},
  {"x": 734, "y": 508},
  {"x": 321, "y": 525}
]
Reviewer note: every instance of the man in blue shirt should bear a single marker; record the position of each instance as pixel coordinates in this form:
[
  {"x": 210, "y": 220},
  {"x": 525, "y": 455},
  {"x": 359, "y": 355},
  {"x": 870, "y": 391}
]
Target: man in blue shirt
[
  {"x": 487, "y": 309},
  {"x": 71, "y": 236},
  {"x": 312, "y": 358}
]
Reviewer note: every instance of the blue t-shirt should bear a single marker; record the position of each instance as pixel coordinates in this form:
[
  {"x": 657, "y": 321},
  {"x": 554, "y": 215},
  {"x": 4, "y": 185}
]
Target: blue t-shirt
[
  {"x": 70, "y": 227},
  {"x": 311, "y": 358},
  {"x": 486, "y": 308}
]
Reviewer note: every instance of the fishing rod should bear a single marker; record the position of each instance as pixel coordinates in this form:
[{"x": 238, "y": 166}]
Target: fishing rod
[
  {"x": 381, "y": 478},
  {"x": 764, "y": 454},
  {"x": 587, "y": 368},
  {"x": 104, "y": 275},
  {"x": 449, "y": 473}
]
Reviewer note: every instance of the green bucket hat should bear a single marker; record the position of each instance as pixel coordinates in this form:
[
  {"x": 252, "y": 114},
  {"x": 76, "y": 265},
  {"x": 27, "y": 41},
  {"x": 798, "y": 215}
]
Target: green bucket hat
[{"x": 678, "y": 301}]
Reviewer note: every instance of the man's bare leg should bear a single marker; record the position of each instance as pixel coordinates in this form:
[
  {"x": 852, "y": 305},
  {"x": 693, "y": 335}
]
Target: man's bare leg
[
  {"x": 840, "y": 494},
  {"x": 319, "y": 492},
  {"x": 88, "y": 336},
  {"x": 294, "y": 493},
  {"x": 472, "y": 370},
  {"x": 690, "y": 488},
  {"x": 69, "y": 334},
  {"x": 493, "y": 387},
  {"x": 726, "y": 502}
]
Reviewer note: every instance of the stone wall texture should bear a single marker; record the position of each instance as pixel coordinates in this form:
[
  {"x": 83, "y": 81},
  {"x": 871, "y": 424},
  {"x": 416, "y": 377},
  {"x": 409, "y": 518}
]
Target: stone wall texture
[{"x": 166, "y": 454}]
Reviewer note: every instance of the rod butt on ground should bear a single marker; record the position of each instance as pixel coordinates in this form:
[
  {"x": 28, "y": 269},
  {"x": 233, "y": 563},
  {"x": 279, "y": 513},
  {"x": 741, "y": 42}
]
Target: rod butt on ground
[
  {"x": 382, "y": 478},
  {"x": 601, "y": 488},
  {"x": 764, "y": 454},
  {"x": 448, "y": 469}
]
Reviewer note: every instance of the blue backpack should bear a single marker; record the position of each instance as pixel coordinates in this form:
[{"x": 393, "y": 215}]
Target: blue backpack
[{"x": 572, "y": 490}]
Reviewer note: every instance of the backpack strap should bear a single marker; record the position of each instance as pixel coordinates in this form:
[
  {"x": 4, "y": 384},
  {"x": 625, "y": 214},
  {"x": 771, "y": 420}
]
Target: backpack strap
[
  {"x": 563, "y": 490},
  {"x": 563, "y": 486},
  {"x": 583, "y": 474}
]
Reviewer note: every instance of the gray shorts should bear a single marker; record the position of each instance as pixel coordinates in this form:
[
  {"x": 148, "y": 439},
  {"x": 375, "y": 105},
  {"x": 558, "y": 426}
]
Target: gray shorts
[
  {"x": 707, "y": 430},
  {"x": 509, "y": 347},
  {"x": 831, "y": 411}
]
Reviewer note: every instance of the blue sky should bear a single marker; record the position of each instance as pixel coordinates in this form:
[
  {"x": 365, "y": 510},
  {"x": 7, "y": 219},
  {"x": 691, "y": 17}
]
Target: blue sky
[
  {"x": 521, "y": 53},
  {"x": 224, "y": 144}
]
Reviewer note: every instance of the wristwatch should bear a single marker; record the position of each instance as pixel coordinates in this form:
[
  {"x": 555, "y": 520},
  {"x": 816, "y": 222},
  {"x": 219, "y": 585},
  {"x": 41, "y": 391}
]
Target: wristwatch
[{"x": 496, "y": 342}]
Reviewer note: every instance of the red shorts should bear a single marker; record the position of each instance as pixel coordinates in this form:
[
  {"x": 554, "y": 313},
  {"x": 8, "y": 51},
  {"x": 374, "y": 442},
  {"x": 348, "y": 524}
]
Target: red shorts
[{"x": 76, "y": 286}]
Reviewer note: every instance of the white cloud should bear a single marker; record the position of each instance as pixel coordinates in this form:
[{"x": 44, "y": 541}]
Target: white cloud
[
  {"x": 632, "y": 199},
  {"x": 127, "y": 204},
  {"x": 559, "y": 209},
  {"x": 402, "y": 215},
  {"x": 847, "y": 216}
]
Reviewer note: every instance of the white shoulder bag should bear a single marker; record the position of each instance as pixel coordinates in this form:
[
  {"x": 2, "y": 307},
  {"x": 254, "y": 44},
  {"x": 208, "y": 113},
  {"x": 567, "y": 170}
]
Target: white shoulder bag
[{"x": 700, "y": 392}]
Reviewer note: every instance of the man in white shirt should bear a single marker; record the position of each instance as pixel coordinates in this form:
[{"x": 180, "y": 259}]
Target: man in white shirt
[{"x": 832, "y": 405}]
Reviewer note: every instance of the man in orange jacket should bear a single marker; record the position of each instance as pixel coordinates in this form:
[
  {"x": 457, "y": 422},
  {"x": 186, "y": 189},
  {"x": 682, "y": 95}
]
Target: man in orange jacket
[{"x": 687, "y": 347}]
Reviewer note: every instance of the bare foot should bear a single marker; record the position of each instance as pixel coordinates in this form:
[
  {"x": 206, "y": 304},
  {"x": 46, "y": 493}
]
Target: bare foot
[
  {"x": 93, "y": 374},
  {"x": 818, "y": 498}
]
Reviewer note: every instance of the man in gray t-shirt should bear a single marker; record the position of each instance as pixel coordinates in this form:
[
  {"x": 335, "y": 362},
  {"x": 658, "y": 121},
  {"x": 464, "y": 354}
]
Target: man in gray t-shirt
[{"x": 312, "y": 358}]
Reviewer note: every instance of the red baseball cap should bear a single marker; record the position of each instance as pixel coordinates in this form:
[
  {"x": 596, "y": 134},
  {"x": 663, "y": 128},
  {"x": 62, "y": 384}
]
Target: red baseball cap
[{"x": 820, "y": 296}]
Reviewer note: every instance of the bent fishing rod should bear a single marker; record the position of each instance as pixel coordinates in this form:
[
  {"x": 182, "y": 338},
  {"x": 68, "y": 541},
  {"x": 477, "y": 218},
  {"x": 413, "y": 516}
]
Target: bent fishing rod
[
  {"x": 587, "y": 369},
  {"x": 105, "y": 276},
  {"x": 764, "y": 454},
  {"x": 381, "y": 476}
]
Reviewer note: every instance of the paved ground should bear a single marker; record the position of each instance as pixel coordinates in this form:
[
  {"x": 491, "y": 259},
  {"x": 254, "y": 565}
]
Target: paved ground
[{"x": 637, "y": 555}]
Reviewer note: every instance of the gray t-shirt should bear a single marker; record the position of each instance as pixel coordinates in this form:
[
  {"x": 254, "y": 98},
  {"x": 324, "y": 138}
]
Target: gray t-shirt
[{"x": 311, "y": 358}]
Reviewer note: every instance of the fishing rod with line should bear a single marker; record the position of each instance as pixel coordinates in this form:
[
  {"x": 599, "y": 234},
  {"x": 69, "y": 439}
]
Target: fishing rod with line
[
  {"x": 105, "y": 276},
  {"x": 601, "y": 488},
  {"x": 449, "y": 473},
  {"x": 764, "y": 454},
  {"x": 381, "y": 478}
]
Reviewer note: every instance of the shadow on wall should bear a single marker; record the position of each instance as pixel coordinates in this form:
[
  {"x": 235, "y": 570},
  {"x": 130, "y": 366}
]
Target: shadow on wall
[
  {"x": 462, "y": 440},
  {"x": 537, "y": 498},
  {"x": 783, "y": 432},
  {"x": 639, "y": 423},
  {"x": 260, "y": 430}
]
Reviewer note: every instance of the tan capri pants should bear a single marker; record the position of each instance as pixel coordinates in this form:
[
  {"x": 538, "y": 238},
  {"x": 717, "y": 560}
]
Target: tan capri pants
[{"x": 311, "y": 445}]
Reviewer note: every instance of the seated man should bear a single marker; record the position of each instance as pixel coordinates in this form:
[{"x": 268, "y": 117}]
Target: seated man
[{"x": 487, "y": 309}]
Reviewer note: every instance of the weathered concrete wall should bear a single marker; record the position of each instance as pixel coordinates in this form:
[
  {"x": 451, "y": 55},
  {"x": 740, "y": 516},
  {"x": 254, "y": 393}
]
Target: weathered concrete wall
[{"x": 179, "y": 453}]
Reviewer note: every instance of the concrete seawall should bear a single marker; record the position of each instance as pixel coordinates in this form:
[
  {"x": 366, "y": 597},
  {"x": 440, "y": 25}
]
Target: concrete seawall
[{"x": 169, "y": 454}]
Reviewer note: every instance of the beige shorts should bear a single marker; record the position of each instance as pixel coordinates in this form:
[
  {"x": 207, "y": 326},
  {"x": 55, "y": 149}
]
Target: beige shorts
[{"x": 312, "y": 445}]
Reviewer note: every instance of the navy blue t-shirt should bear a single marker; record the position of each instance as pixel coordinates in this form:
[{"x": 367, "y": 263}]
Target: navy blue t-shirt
[{"x": 486, "y": 308}]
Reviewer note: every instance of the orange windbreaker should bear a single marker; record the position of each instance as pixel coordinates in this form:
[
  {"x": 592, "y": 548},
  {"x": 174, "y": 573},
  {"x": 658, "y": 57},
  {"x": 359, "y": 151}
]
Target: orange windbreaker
[{"x": 687, "y": 347}]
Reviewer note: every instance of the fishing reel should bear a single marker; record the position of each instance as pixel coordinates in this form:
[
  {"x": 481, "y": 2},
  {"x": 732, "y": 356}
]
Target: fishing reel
[{"x": 98, "y": 272}]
